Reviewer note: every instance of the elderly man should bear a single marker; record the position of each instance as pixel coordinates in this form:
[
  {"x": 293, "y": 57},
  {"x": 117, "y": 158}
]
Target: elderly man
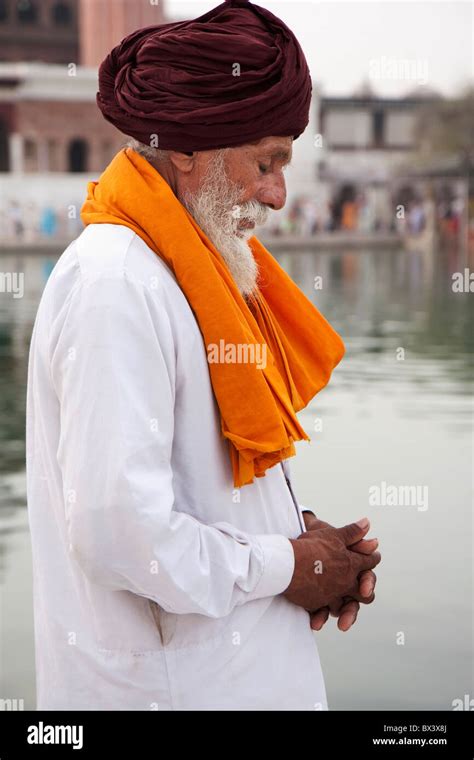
[{"x": 174, "y": 568}]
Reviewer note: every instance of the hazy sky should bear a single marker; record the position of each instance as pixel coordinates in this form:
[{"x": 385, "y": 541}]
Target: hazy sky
[{"x": 394, "y": 45}]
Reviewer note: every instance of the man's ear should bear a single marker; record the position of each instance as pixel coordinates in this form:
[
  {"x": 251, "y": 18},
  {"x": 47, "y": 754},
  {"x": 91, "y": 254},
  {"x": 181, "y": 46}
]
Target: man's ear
[{"x": 183, "y": 161}]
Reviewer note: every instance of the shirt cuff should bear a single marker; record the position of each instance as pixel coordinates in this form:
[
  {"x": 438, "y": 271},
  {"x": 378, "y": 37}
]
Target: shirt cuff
[{"x": 278, "y": 565}]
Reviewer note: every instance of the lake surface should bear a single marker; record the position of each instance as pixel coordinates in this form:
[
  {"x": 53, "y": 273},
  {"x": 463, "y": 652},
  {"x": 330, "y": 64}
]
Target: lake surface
[{"x": 398, "y": 411}]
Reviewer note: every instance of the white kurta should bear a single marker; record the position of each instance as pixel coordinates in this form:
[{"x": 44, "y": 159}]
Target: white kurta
[{"x": 157, "y": 585}]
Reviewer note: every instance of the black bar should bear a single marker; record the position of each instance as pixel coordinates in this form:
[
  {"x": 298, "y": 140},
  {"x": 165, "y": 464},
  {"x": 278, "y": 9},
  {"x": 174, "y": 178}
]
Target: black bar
[{"x": 137, "y": 734}]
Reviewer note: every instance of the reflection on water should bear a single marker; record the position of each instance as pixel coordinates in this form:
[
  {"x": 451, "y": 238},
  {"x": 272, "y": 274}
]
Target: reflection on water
[{"x": 397, "y": 410}]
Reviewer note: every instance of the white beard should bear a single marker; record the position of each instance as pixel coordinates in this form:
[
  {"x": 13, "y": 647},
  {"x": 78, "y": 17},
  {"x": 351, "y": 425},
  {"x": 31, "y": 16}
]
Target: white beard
[{"x": 216, "y": 210}]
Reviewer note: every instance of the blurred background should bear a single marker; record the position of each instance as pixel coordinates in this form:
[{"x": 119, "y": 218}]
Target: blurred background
[{"x": 378, "y": 231}]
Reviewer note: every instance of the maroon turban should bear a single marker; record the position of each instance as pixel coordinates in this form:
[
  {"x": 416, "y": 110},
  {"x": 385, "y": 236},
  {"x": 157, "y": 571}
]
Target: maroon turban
[{"x": 178, "y": 81}]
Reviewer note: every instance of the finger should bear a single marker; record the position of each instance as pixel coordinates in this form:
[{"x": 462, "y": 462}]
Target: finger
[
  {"x": 365, "y": 546},
  {"x": 348, "y": 615},
  {"x": 366, "y": 562},
  {"x": 354, "y": 531},
  {"x": 361, "y": 599},
  {"x": 367, "y": 581},
  {"x": 335, "y": 607},
  {"x": 314, "y": 523},
  {"x": 319, "y": 618}
]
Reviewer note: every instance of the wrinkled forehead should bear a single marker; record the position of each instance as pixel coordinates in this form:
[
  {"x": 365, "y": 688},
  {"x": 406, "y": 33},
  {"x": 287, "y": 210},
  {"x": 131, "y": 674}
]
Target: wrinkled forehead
[{"x": 279, "y": 148}]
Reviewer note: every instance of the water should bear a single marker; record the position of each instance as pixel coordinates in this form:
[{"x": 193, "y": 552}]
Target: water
[{"x": 398, "y": 410}]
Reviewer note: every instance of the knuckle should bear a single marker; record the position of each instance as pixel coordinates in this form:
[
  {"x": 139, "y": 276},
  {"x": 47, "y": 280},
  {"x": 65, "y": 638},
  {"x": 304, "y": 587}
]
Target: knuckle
[
  {"x": 376, "y": 559},
  {"x": 352, "y": 531}
]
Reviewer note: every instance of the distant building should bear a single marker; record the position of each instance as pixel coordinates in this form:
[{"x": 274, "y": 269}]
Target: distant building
[
  {"x": 70, "y": 31},
  {"x": 366, "y": 137},
  {"x": 49, "y": 52},
  {"x": 49, "y": 120},
  {"x": 39, "y": 30},
  {"x": 366, "y": 141},
  {"x": 103, "y": 23}
]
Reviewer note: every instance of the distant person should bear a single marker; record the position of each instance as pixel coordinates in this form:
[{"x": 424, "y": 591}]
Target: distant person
[
  {"x": 349, "y": 215},
  {"x": 310, "y": 217},
  {"x": 416, "y": 218},
  {"x": 366, "y": 219},
  {"x": 16, "y": 219},
  {"x": 48, "y": 223}
]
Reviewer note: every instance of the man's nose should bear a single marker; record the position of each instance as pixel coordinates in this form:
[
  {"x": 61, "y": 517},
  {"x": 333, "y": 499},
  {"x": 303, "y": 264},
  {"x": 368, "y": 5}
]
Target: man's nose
[{"x": 273, "y": 193}]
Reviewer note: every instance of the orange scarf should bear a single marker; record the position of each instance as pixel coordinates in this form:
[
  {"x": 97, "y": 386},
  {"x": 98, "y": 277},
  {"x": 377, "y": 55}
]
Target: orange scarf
[{"x": 257, "y": 401}]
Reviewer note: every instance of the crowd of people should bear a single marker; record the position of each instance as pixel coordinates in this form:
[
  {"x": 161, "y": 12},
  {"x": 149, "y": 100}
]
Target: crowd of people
[
  {"x": 31, "y": 223},
  {"x": 305, "y": 216},
  {"x": 370, "y": 212}
]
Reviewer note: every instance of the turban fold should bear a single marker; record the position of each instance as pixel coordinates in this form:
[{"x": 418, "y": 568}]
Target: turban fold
[{"x": 232, "y": 76}]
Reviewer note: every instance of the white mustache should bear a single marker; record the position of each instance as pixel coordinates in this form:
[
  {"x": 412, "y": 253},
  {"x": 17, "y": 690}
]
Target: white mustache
[{"x": 252, "y": 211}]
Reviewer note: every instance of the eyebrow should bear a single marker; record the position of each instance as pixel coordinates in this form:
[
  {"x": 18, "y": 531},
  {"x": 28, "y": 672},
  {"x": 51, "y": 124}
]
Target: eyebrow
[{"x": 283, "y": 155}]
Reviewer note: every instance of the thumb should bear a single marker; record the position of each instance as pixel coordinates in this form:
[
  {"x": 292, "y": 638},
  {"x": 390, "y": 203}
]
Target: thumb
[{"x": 354, "y": 531}]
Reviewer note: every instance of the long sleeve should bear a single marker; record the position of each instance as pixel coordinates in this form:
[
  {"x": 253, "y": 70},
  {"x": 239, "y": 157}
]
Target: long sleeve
[{"x": 112, "y": 359}]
